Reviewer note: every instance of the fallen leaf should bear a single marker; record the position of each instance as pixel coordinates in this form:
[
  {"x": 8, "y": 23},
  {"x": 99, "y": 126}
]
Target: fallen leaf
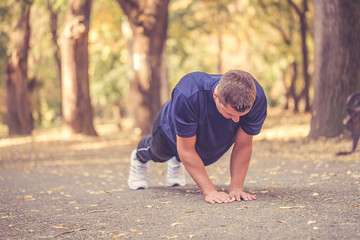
[
  {"x": 355, "y": 176},
  {"x": 280, "y": 221},
  {"x": 311, "y": 222},
  {"x": 28, "y": 197},
  {"x": 119, "y": 235},
  {"x": 176, "y": 224},
  {"x": 59, "y": 226},
  {"x": 315, "y": 194},
  {"x": 133, "y": 230},
  {"x": 243, "y": 207},
  {"x": 286, "y": 207},
  {"x": 57, "y": 189},
  {"x": 97, "y": 211},
  {"x": 86, "y": 184},
  {"x": 171, "y": 237},
  {"x": 190, "y": 211}
]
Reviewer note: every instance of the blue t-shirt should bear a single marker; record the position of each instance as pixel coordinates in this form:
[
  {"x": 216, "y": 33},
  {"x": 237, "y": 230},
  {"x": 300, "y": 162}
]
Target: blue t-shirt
[{"x": 192, "y": 111}]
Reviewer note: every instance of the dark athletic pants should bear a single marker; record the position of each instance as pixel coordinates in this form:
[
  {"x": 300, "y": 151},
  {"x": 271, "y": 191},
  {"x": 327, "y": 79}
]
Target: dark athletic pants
[{"x": 155, "y": 146}]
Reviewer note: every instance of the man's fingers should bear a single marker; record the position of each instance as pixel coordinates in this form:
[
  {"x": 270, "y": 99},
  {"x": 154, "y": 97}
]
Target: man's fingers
[
  {"x": 222, "y": 199},
  {"x": 234, "y": 197},
  {"x": 239, "y": 196},
  {"x": 248, "y": 197},
  {"x": 219, "y": 197}
]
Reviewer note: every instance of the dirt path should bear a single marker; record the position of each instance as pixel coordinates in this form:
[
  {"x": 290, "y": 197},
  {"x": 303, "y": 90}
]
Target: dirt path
[{"x": 56, "y": 188}]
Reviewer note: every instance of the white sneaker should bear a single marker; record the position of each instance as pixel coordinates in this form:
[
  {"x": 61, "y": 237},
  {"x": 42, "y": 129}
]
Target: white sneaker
[
  {"x": 138, "y": 173},
  {"x": 175, "y": 173}
]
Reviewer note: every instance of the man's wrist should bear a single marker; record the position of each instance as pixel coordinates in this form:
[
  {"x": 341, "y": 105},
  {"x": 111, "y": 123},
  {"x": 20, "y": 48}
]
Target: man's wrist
[
  {"x": 207, "y": 191},
  {"x": 234, "y": 187}
]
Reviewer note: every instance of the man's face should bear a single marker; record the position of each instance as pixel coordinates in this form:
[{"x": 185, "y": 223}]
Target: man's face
[{"x": 227, "y": 111}]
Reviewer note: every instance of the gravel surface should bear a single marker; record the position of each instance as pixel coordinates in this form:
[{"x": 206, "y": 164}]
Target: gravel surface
[{"x": 76, "y": 189}]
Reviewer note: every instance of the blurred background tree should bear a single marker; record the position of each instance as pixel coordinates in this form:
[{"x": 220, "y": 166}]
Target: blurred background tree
[
  {"x": 107, "y": 65},
  {"x": 271, "y": 39},
  {"x": 77, "y": 113},
  {"x": 145, "y": 27},
  {"x": 4, "y": 46},
  {"x": 337, "y": 64},
  {"x": 18, "y": 88},
  {"x": 44, "y": 61}
]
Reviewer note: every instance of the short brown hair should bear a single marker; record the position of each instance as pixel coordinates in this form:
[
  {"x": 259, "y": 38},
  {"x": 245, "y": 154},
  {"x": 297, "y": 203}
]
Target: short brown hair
[{"x": 237, "y": 88}]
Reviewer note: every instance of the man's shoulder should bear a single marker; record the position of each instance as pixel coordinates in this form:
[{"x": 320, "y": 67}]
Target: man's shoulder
[
  {"x": 200, "y": 76},
  {"x": 260, "y": 93},
  {"x": 195, "y": 81}
]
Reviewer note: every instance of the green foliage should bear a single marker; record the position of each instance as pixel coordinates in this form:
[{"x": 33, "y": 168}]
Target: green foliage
[
  {"x": 191, "y": 38},
  {"x": 46, "y": 99},
  {"x": 107, "y": 58},
  {"x": 258, "y": 36},
  {"x": 4, "y": 40}
]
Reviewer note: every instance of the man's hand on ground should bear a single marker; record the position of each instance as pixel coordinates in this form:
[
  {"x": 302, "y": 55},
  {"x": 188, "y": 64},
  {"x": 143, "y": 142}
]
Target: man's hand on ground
[
  {"x": 217, "y": 197},
  {"x": 239, "y": 195}
]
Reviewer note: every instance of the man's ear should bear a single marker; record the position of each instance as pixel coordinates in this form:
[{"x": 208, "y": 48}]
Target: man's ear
[{"x": 215, "y": 93}]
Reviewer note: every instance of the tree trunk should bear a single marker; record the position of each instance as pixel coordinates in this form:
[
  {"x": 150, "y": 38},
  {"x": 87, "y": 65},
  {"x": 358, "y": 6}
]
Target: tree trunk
[
  {"x": 337, "y": 63},
  {"x": 146, "y": 32},
  {"x": 54, "y": 42},
  {"x": 292, "y": 89},
  {"x": 304, "y": 49},
  {"x": 17, "y": 97},
  {"x": 76, "y": 106}
]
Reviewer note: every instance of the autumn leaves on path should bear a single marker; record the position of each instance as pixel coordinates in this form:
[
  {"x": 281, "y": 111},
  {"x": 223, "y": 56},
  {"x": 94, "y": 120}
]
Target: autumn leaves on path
[{"x": 55, "y": 188}]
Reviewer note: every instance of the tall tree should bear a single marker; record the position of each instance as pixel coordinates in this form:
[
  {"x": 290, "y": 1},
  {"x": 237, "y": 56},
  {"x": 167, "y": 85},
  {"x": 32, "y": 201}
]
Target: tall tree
[
  {"x": 54, "y": 15},
  {"x": 302, "y": 13},
  {"x": 17, "y": 98},
  {"x": 280, "y": 17},
  {"x": 76, "y": 105},
  {"x": 290, "y": 20},
  {"x": 147, "y": 32},
  {"x": 337, "y": 63},
  {"x": 218, "y": 15}
]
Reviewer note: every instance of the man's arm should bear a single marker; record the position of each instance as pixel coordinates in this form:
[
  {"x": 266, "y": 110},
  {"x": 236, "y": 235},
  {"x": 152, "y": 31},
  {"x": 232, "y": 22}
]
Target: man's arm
[
  {"x": 239, "y": 164},
  {"x": 195, "y": 167}
]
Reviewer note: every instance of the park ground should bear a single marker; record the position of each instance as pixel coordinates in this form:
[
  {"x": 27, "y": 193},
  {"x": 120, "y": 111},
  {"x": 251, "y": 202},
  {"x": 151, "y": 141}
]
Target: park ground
[{"x": 53, "y": 187}]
